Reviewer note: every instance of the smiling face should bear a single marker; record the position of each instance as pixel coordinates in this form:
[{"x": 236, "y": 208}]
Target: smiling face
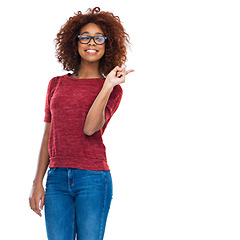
[{"x": 91, "y": 52}]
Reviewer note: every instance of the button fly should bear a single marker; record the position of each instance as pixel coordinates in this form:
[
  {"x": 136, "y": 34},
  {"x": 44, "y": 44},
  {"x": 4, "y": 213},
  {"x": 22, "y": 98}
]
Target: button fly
[{"x": 70, "y": 178}]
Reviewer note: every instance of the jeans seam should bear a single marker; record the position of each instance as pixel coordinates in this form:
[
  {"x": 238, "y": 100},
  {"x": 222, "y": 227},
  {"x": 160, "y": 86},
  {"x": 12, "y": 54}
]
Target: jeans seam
[
  {"x": 104, "y": 205},
  {"x": 74, "y": 222}
]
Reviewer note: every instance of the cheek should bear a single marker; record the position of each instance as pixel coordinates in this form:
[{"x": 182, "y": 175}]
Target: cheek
[
  {"x": 80, "y": 48},
  {"x": 102, "y": 50}
]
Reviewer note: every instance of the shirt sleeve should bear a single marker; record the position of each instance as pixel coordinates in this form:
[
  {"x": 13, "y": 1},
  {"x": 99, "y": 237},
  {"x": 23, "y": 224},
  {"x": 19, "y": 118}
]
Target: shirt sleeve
[
  {"x": 49, "y": 94},
  {"x": 112, "y": 105}
]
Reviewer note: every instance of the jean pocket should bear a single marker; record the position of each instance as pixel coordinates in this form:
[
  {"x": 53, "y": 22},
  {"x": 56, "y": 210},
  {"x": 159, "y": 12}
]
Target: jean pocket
[{"x": 50, "y": 172}]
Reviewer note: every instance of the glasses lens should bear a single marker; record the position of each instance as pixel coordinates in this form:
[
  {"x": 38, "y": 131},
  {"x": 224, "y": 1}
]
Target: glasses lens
[
  {"x": 99, "y": 39},
  {"x": 84, "y": 38}
]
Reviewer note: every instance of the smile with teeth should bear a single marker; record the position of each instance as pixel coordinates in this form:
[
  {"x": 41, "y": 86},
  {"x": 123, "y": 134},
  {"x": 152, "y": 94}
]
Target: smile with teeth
[{"x": 91, "y": 51}]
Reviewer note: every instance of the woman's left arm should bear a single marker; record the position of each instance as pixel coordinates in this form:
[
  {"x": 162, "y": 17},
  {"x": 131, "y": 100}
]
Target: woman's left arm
[{"x": 96, "y": 115}]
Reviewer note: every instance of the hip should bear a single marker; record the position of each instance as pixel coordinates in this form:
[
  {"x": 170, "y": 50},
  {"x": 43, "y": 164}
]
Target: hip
[{"x": 74, "y": 181}]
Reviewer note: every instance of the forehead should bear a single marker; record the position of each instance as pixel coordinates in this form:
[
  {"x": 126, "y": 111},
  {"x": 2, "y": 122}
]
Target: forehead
[{"x": 91, "y": 28}]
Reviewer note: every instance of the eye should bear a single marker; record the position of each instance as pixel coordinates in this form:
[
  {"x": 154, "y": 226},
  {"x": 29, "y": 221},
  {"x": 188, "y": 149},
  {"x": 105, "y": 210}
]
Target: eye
[
  {"x": 84, "y": 37},
  {"x": 99, "y": 39}
]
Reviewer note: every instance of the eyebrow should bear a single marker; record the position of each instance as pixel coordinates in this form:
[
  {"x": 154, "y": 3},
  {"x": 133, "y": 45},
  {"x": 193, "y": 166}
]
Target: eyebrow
[{"x": 89, "y": 33}]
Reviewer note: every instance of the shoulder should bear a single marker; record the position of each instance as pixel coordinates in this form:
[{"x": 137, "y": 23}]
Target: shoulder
[
  {"x": 54, "y": 81},
  {"x": 117, "y": 90},
  {"x": 116, "y": 93},
  {"x": 52, "y": 84}
]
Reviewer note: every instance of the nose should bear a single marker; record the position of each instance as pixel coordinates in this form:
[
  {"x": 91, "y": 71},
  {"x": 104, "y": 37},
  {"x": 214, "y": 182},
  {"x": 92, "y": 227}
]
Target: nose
[{"x": 91, "y": 40}]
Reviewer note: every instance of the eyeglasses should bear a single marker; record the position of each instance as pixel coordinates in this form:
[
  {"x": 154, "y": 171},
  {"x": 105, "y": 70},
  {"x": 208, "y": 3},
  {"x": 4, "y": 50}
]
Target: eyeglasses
[{"x": 85, "y": 39}]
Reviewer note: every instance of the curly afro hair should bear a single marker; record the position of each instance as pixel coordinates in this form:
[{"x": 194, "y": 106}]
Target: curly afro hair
[{"x": 115, "y": 45}]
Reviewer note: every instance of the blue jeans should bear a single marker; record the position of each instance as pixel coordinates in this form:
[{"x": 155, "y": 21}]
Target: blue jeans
[{"x": 77, "y": 203}]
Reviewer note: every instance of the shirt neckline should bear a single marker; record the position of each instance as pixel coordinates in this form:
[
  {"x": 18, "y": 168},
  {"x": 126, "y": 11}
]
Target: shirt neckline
[{"x": 81, "y": 78}]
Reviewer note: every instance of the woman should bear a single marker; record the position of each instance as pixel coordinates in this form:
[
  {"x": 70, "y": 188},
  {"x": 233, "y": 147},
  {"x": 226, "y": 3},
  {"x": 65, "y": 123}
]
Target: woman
[{"x": 78, "y": 108}]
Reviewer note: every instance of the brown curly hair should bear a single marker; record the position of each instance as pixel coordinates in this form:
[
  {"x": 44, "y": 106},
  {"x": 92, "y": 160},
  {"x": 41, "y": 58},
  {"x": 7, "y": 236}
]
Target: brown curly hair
[{"x": 115, "y": 45}]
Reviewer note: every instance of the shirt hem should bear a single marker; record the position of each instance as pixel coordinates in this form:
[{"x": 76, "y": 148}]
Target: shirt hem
[{"x": 75, "y": 163}]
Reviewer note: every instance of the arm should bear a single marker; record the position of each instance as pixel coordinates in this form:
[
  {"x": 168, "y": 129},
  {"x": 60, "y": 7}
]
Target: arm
[
  {"x": 37, "y": 193},
  {"x": 96, "y": 116}
]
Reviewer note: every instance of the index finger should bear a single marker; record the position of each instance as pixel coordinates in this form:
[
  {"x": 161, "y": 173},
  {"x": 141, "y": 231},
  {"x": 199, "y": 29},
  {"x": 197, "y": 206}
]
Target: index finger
[
  {"x": 42, "y": 202},
  {"x": 31, "y": 203},
  {"x": 128, "y": 71}
]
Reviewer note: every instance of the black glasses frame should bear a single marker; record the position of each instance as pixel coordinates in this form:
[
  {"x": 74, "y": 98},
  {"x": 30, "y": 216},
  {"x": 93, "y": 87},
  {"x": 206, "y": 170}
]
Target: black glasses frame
[{"x": 90, "y": 38}]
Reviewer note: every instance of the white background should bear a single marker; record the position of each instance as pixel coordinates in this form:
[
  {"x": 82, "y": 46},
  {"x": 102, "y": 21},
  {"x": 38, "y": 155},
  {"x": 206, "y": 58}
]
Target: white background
[{"x": 173, "y": 144}]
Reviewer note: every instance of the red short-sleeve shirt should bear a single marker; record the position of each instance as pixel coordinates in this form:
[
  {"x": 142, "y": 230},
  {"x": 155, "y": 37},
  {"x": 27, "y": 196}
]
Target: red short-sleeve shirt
[{"x": 68, "y": 101}]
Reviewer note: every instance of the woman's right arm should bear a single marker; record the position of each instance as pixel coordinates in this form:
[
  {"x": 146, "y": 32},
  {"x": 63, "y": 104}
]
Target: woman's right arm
[{"x": 37, "y": 193}]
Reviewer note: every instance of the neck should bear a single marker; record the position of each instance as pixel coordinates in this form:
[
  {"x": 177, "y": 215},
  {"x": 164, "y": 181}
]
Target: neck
[{"x": 89, "y": 70}]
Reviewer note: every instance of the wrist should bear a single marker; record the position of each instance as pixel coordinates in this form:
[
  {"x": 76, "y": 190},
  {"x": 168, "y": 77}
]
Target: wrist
[
  {"x": 37, "y": 181},
  {"x": 107, "y": 87}
]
